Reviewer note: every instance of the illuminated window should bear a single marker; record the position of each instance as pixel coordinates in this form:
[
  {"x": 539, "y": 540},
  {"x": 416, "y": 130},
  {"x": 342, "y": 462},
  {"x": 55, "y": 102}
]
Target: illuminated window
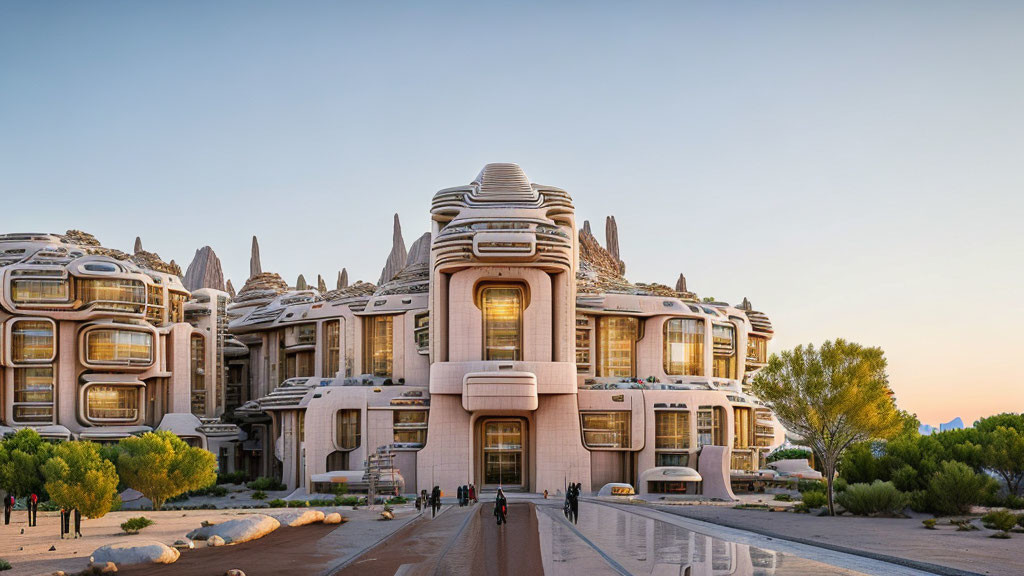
[
  {"x": 757, "y": 349},
  {"x": 40, "y": 290},
  {"x": 582, "y": 350},
  {"x": 112, "y": 294},
  {"x": 332, "y": 348},
  {"x": 32, "y": 341},
  {"x": 198, "y": 352},
  {"x": 671, "y": 430},
  {"x": 33, "y": 395},
  {"x": 348, "y": 429},
  {"x": 684, "y": 347},
  {"x": 710, "y": 422},
  {"x": 616, "y": 346},
  {"x": 108, "y": 403},
  {"x": 605, "y": 429},
  {"x": 176, "y": 307},
  {"x": 155, "y": 304},
  {"x": 410, "y": 428},
  {"x": 422, "y": 333},
  {"x": 377, "y": 345},
  {"x": 503, "y": 322},
  {"x": 725, "y": 350},
  {"x": 119, "y": 347},
  {"x": 743, "y": 421},
  {"x": 764, "y": 429}
]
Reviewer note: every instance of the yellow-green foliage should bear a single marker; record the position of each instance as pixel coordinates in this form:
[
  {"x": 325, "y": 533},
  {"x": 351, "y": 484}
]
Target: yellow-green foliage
[
  {"x": 160, "y": 466},
  {"x": 78, "y": 477}
]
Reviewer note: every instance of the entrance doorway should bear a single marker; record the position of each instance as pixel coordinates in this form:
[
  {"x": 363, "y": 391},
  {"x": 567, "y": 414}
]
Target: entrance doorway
[{"x": 503, "y": 454}]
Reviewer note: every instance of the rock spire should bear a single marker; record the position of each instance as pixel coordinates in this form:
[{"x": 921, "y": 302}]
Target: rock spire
[
  {"x": 138, "y": 245},
  {"x": 300, "y": 284},
  {"x": 320, "y": 284},
  {"x": 230, "y": 289},
  {"x": 398, "y": 256},
  {"x": 343, "y": 279},
  {"x": 681, "y": 283},
  {"x": 255, "y": 268},
  {"x": 204, "y": 271},
  {"x": 611, "y": 240}
]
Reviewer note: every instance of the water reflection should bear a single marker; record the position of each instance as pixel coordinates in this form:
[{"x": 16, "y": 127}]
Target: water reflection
[{"x": 646, "y": 546}]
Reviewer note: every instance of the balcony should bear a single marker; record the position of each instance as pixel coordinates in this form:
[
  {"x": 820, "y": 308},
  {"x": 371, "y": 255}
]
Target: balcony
[{"x": 515, "y": 391}]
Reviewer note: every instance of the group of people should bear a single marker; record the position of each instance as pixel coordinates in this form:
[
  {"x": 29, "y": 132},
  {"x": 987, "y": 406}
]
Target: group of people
[
  {"x": 571, "y": 508},
  {"x": 466, "y": 495},
  {"x": 32, "y": 508},
  {"x": 433, "y": 500}
]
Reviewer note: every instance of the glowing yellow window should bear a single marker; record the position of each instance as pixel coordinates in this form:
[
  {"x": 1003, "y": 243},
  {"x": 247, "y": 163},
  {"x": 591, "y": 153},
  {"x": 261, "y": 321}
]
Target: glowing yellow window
[
  {"x": 32, "y": 341},
  {"x": 684, "y": 347},
  {"x": 503, "y": 322},
  {"x": 378, "y": 338},
  {"x": 616, "y": 346},
  {"x": 121, "y": 347}
]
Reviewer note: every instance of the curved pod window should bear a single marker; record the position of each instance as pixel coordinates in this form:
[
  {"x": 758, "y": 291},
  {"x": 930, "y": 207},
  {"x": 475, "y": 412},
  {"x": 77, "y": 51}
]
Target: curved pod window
[
  {"x": 616, "y": 346},
  {"x": 33, "y": 395},
  {"x": 348, "y": 429},
  {"x": 684, "y": 347},
  {"x": 40, "y": 290},
  {"x": 410, "y": 428},
  {"x": 606, "y": 429},
  {"x": 724, "y": 338},
  {"x": 113, "y": 403},
  {"x": 32, "y": 341},
  {"x": 118, "y": 347},
  {"x": 502, "y": 310},
  {"x": 113, "y": 294}
]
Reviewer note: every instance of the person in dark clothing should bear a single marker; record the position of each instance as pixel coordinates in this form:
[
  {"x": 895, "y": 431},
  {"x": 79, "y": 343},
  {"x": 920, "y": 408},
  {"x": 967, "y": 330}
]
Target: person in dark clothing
[
  {"x": 8, "y": 506},
  {"x": 465, "y": 495},
  {"x": 501, "y": 507},
  {"x": 435, "y": 501},
  {"x": 459, "y": 496},
  {"x": 33, "y": 508},
  {"x": 65, "y": 522},
  {"x": 78, "y": 523},
  {"x": 574, "y": 502}
]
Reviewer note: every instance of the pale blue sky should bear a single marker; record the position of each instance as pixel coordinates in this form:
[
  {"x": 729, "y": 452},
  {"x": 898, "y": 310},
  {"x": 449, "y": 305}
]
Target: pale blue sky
[{"x": 853, "y": 168}]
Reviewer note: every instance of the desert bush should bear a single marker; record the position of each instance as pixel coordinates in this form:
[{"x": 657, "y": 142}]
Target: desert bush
[
  {"x": 789, "y": 454},
  {"x": 917, "y": 500},
  {"x": 840, "y": 484},
  {"x": 277, "y": 503},
  {"x": 266, "y": 483},
  {"x": 929, "y": 523},
  {"x": 134, "y": 525},
  {"x": 810, "y": 485},
  {"x": 232, "y": 478},
  {"x": 956, "y": 487},
  {"x": 259, "y": 495},
  {"x": 782, "y": 497},
  {"x": 298, "y": 504},
  {"x": 814, "y": 499},
  {"x": 348, "y": 501},
  {"x": 4, "y": 565},
  {"x": 875, "y": 498}
]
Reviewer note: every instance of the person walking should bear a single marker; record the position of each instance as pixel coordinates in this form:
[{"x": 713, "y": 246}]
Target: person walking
[
  {"x": 459, "y": 495},
  {"x": 33, "y": 508},
  {"x": 435, "y": 501},
  {"x": 472, "y": 493},
  {"x": 65, "y": 520},
  {"x": 465, "y": 494},
  {"x": 78, "y": 523},
  {"x": 8, "y": 507},
  {"x": 501, "y": 507},
  {"x": 574, "y": 502}
]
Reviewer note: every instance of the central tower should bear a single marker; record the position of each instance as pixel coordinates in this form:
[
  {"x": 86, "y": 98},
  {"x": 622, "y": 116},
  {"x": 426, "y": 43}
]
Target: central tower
[{"x": 503, "y": 384}]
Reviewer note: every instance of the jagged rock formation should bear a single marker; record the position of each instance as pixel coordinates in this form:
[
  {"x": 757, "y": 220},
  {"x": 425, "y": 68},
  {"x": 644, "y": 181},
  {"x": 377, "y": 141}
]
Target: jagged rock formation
[
  {"x": 230, "y": 289},
  {"x": 586, "y": 227},
  {"x": 141, "y": 258},
  {"x": 262, "y": 285},
  {"x": 138, "y": 244},
  {"x": 204, "y": 271},
  {"x": 320, "y": 284},
  {"x": 358, "y": 290},
  {"x": 600, "y": 273},
  {"x": 300, "y": 284},
  {"x": 152, "y": 260},
  {"x": 681, "y": 283},
  {"x": 746, "y": 305},
  {"x": 611, "y": 240},
  {"x": 398, "y": 256},
  {"x": 342, "y": 279},
  {"x": 415, "y": 276},
  {"x": 255, "y": 268},
  {"x": 86, "y": 239}
]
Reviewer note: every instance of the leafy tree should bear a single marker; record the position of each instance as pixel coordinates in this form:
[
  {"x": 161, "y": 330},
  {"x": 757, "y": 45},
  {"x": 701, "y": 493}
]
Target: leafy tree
[
  {"x": 78, "y": 477},
  {"x": 1002, "y": 453},
  {"x": 21, "y": 456},
  {"x": 955, "y": 487},
  {"x": 161, "y": 466},
  {"x": 832, "y": 397}
]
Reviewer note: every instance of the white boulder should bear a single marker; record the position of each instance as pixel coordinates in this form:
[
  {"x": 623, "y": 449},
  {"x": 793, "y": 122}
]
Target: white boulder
[
  {"x": 135, "y": 552},
  {"x": 299, "y": 517},
  {"x": 238, "y": 530},
  {"x": 214, "y": 541}
]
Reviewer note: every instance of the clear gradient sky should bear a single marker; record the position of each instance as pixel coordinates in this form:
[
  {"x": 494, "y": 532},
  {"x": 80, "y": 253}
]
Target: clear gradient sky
[{"x": 855, "y": 169}]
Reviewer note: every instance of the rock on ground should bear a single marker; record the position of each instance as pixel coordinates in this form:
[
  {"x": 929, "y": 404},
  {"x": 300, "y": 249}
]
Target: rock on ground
[
  {"x": 234, "y": 572},
  {"x": 299, "y": 517},
  {"x": 215, "y": 540},
  {"x": 333, "y": 518},
  {"x": 135, "y": 552},
  {"x": 238, "y": 530}
]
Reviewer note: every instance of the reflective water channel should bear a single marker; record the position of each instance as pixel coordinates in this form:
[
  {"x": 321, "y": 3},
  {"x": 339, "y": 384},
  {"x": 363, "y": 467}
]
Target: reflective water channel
[{"x": 645, "y": 546}]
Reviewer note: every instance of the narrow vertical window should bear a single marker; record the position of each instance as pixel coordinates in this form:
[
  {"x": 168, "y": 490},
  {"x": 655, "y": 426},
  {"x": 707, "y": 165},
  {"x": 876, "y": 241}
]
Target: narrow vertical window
[
  {"x": 33, "y": 395},
  {"x": 348, "y": 429},
  {"x": 616, "y": 346},
  {"x": 198, "y": 352},
  {"x": 684, "y": 347},
  {"x": 332, "y": 348},
  {"x": 503, "y": 322},
  {"x": 378, "y": 338},
  {"x": 725, "y": 351}
]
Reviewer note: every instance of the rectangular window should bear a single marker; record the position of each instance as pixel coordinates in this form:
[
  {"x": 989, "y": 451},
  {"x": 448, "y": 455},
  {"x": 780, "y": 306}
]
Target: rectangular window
[
  {"x": 503, "y": 322},
  {"x": 616, "y": 353},
  {"x": 33, "y": 395},
  {"x": 757, "y": 349},
  {"x": 109, "y": 403},
  {"x": 40, "y": 290},
  {"x": 684, "y": 347},
  {"x": 671, "y": 459},
  {"x": 710, "y": 420},
  {"x": 198, "y": 351},
  {"x": 112, "y": 294},
  {"x": 155, "y": 304},
  {"x": 176, "y": 307},
  {"x": 119, "y": 347},
  {"x": 743, "y": 421},
  {"x": 606, "y": 429},
  {"x": 671, "y": 430},
  {"x": 306, "y": 335},
  {"x": 348, "y": 429},
  {"x": 378, "y": 339},
  {"x": 410, "y": 428},
  {"x": 332, "y": 348},
  {"x": 422, "y": 333},
  {"x": 582, "y": 350},
  {"x": 764, "y": 429},
  {"x": 725, "y": 351},
  {"x": 32, "y": 341}
]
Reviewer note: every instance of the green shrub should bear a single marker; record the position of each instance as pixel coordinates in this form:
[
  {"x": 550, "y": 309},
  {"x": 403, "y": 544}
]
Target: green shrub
[
  {"x": 929, "y": 523},
  {"x": 905, "y": 479},
  {"x": 811, "y": 485},
  {"x": 134, "y": 525},
  {"x": 4, "y": 565},
  {"x": 839, "y": 484},
  {"x": 259, "y": 495},
  {"x": 1003, "y": 520},
  {"x": 1020, "y": 520},
  {"x": 875, "y": 498},
  {"x": 277, "y": 503},
  {"x": 918, "y": 501},
  {"x": 298, "y": 504},
  {"x": 266, "y": 483},
  {"x": 814, "y": 499},
  {"x": 789, "y": 454},
  {"x": 340, "y": 489},
  {"x": 348, "y": 501},
  {"x": 232, "y": 478},
  {"x": 955, "y": 488},
  {"x": 783, "y": 497},
  {"x": 398, "y": 500}
]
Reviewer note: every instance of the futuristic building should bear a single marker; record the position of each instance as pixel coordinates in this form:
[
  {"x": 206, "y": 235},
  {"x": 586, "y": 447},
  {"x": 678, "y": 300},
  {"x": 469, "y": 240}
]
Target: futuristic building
[
  {"x": 95, "y": 344},
  {"x": 505, "y": 348}
]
